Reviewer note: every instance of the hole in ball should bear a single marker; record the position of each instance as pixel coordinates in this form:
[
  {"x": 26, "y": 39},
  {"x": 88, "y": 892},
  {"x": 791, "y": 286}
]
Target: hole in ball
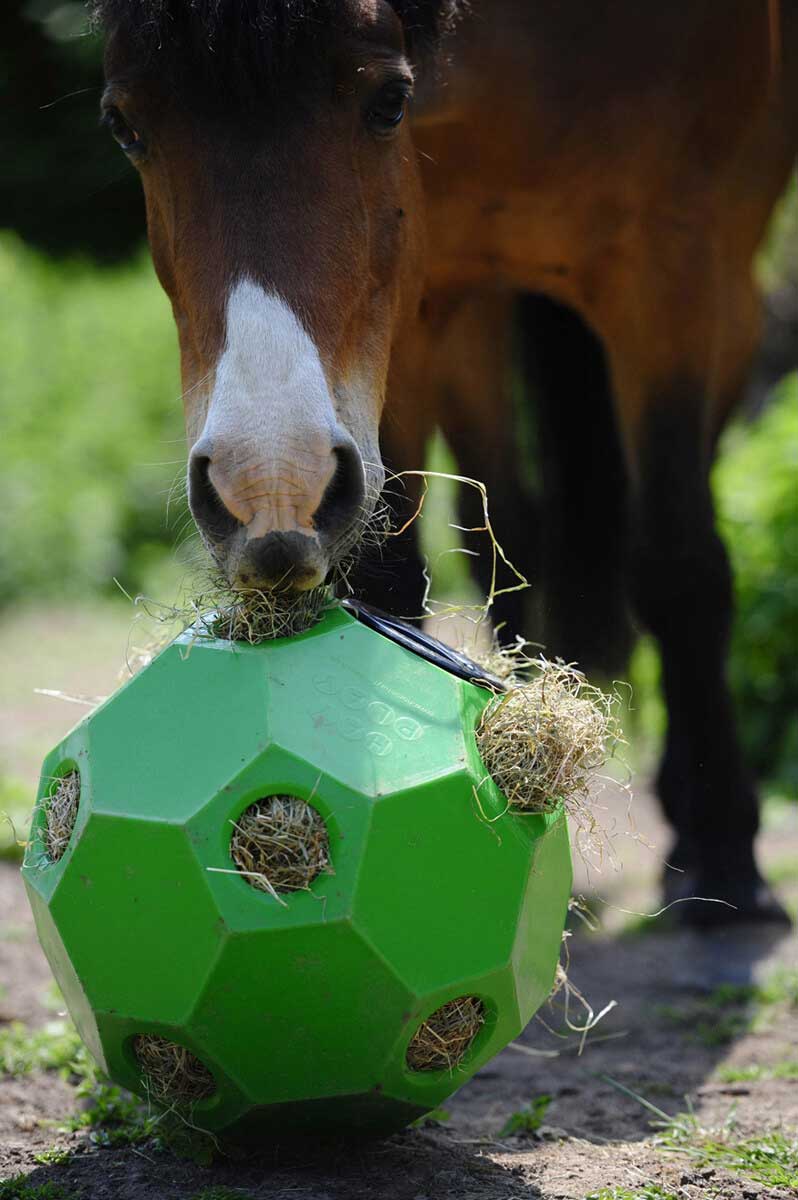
[
  {"x": 280, "y": 844},
  {"x": 61, "y": 810},
  {"x": 442, "y": 1041},
  {"x": 170, "y": 1072}
]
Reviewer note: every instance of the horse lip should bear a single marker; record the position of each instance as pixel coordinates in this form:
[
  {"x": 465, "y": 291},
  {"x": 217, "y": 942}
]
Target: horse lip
[{"x": 278, "y": 562}]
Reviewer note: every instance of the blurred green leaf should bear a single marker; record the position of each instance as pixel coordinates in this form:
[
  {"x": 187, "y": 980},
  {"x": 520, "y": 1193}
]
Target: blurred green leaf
[
  {"x": 756, "y": 489},
  {"x": 90, "y": 424}
]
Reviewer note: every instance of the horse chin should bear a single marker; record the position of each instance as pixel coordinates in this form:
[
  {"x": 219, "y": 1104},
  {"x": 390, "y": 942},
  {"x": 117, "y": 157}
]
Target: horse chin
[{"x": 285, "y": 565}]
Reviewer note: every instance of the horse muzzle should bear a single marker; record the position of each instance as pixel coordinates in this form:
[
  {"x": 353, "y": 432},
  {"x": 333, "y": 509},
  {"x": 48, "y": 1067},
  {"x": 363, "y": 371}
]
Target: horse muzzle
[{"x": 277, "y": 528}]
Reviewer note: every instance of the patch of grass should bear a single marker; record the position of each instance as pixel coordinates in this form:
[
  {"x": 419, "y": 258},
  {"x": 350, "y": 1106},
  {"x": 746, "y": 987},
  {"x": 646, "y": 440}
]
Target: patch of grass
[
  {"x": 111, "y": 1115},
  {"x": 648, "y": 1191},
  {"x": 18, "y": 1188},
  {"x": 780, "y": 988},
  {"x": 528, "y": 1119},
  {"x": 771, "y": 1158},
  {"x": 54, "y": 1047},
  {"x": 756, "y": 1072},
  {"x": 56, "y": 1156},
  {"x": 16, "y": 806}
]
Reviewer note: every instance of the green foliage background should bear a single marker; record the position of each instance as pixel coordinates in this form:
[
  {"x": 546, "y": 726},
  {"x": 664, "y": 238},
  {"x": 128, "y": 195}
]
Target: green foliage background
[
  {"x": 90, "y": 425},
  {"x": 756, "y": 485}
]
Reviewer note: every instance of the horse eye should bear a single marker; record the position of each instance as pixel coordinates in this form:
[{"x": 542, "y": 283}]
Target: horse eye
[
  {"x": 388, "y": 108},
  {"x": 121, "y": 132}
]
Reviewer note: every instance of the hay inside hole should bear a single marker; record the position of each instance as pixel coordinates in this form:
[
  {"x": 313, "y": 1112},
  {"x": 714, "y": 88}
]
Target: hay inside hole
[
  {"x": 442, "y": 1041},
  {"x": 542, "y": 741},
  {"x": 171, "y": 1073},
  {"x": 280, "y": 844},
  {"x": 61, "y": 811}
]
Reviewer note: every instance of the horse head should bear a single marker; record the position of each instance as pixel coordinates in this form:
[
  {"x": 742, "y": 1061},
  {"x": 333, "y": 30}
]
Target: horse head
[{"x": 285, "y": 219}]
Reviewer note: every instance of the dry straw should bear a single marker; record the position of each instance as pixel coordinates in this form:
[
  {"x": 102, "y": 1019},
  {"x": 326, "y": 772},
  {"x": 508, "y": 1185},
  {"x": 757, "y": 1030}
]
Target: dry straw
[
  {"x": 254, "y": 615},
  {"x": 499, "y": 562},
  {"x": 61, "y": 810},
  {"x": 171, "y": 1073},
  {"x": 280, "y": 844},
  {"x": 251, "y": 616},
  {"x": 543, "y": 740},
  {"x": 442, "y": 1041}
]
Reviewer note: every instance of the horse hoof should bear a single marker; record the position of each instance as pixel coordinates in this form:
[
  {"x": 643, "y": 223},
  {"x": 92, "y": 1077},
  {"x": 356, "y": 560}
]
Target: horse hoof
[{"x": 744, "y": 902}]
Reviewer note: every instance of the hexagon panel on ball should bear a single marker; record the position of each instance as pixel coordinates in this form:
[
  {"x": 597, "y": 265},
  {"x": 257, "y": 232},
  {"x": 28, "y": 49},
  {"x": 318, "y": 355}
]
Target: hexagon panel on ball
[{"x": 275, "y": 883}]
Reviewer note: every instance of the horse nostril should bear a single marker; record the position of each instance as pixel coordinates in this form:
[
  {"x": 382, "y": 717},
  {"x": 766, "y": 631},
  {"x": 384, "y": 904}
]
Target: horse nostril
[
  {"x": 344, "y": 495},
  {"x": 207, "y": 507}
]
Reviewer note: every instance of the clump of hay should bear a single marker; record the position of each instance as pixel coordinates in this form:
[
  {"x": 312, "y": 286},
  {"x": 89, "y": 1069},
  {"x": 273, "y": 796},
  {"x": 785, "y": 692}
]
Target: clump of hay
[
  {"x": 280, "y": 844},
  {"x": 543, "y": 740},
  {"x": 251, "y": 616},
  {"x": 212, "y": 608},
  {"x": 61, "y": 810},
  {"x": 257, "y": 616},
  {"x": 506, "y": 663},
  {"x": 171, "y": 1073},
  {"x": 442, "y": 1041}
]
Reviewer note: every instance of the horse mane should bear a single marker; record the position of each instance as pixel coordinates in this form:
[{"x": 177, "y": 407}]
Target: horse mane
[{"x": 241, "y": 43}]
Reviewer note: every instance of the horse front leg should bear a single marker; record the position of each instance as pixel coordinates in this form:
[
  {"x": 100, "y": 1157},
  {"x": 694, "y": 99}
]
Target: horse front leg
[
  {"x": 391, "y": 572},
  {"x": 681, "y": 588}
]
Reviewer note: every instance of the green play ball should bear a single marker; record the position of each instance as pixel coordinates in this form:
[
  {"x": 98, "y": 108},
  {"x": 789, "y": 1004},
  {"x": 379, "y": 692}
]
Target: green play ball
[{"x": 420, "y": 936}]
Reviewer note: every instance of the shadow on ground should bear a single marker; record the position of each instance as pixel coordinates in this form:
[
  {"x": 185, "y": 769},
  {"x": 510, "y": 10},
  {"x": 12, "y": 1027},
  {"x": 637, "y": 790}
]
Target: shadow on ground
[
  {"x": 408, "y": 1167},
  {"x": 671, "y": 1028}
]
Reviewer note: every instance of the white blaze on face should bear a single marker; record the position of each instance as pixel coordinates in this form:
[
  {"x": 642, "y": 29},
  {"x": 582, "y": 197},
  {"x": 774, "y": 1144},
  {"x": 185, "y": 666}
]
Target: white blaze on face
[{"x": 271, "y": 425}]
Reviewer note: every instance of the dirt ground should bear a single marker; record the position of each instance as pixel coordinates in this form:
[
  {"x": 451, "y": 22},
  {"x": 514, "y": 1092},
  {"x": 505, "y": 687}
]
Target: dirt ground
[{"x": 672, "y": 1038}]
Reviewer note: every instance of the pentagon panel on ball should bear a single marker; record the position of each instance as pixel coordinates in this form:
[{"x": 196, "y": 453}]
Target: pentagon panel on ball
[{"x": 285, "y": 893}]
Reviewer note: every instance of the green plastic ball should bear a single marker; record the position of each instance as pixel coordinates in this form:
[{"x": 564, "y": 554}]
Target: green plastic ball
[{"x": 298, "y": 1009}]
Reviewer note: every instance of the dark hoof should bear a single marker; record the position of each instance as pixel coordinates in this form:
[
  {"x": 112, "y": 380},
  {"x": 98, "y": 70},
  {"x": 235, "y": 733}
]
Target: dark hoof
[{"x": 745, "y": 901}]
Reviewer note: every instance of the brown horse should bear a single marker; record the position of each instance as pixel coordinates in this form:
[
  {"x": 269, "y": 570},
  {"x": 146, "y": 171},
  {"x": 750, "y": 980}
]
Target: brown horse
[{"x": 579, "y": 187}]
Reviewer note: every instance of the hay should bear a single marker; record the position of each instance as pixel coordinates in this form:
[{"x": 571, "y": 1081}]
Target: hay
[
  {"x": 442, "y": 1041},
  {"x": 210, "y": 607},
  {"x": 61, "y": 810},
  {"x": 257, "y": 616},
  {"x": 542, "y": 741},
  {"x": 171, "y": 1073},
  {"x": 280, "y": 844},
  {"x": 507, "y": 663},
  {"x": 251, "y": 616}
]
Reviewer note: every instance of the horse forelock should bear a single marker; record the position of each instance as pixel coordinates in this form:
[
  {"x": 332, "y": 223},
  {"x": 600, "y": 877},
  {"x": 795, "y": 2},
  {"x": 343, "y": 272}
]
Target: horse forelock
[{"x": 238, "y": 42}]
